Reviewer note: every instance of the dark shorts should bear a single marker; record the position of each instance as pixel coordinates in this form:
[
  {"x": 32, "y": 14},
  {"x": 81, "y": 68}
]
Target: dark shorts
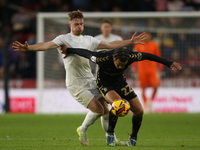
[{"x": 122, "y": 88}]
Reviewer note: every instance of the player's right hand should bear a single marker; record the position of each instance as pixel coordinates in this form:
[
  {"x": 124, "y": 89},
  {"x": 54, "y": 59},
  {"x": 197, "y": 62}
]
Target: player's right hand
[
  {"x": 64, "y": 50},
  {"x": 175, "y": 65},
  {"x": 138, "y": 39},
  {"x": 20, "y": 47}
]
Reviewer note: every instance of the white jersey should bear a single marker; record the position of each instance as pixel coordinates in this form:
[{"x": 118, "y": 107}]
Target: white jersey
[
  {"x": 78, "y": 71},
  {"x": 100, "y": 37},
  {"x": 112, "y": 37}
]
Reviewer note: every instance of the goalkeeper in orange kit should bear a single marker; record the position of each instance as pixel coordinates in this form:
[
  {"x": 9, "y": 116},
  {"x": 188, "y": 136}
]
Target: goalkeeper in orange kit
[{"x": 148, "y": 70}]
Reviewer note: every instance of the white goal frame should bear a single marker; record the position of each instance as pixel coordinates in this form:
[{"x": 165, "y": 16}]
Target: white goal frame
[{"x": 40, "y": 34}]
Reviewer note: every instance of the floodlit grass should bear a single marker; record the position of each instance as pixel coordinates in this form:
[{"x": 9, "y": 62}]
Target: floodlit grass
[{"x": 58, "y": 132}]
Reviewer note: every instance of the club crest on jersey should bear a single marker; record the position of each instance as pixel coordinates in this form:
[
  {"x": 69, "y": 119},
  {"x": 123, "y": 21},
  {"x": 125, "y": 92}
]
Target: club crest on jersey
[{"x": 93, "y": 59}]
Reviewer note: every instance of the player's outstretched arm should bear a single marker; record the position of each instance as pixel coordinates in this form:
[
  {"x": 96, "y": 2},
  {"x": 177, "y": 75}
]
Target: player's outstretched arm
[
  {"x": 92, "y": 56},
  {"x": 118, "y": 44},
  {"x": 79, "y": 51},
  {"x": 36, "y": 47},
  {"x": 135, "y": 56}
]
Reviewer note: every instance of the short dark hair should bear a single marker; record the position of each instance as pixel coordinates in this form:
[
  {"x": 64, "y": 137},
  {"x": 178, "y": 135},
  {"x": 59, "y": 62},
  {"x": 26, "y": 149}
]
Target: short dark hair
[
  {"x": 148, "y": 32},
  {"x": 106, "y": 21},
  {"x": 122, "y": 54},
  {"x": 75, "y": 14}
]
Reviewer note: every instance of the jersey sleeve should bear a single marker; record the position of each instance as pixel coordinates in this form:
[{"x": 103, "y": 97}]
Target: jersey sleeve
[
  {"x": 58, "y": 40},
  {"x": 94, "y": 44},
  {"x": 138, "y": 56},
  {"x": 96, "y": 57}
]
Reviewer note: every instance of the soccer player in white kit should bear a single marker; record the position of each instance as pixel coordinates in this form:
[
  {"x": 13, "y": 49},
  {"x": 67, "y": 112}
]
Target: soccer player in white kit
[
  {"x": 106, "y": 30},
  {"x": 79, "y": 79},
  {"x": 107, "y": 36}
]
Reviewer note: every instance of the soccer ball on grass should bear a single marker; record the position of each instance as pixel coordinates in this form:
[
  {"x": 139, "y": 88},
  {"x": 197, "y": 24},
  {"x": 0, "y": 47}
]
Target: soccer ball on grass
[{"x": 120, "y": 107}]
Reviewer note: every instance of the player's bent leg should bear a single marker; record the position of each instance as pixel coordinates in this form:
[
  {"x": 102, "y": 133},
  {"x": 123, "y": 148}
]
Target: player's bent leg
[
  {"x": 137, "y": 110},
  {"x": 144, "y": 96},
  {"x": 96, "y": 111},
  {"x": 88, "y": 98},
  {"x": 154, "y": 82},
  {"x": 104, "y": 105},
  {"x": 105, "y": 120},
  {"x": 111, "y": 140},
  {"x": 155, "y": 88},
  {"x": 95, "y": 106},
  {"x": 136, "y": 107},
  {"x": 90, "y": 118},
  {"x": 111, "y": 96},
  {"x": 105, "y": 116}
]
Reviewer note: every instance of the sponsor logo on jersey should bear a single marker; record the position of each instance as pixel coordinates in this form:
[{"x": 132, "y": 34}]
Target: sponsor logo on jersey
[{"x": 93, "y": 59}]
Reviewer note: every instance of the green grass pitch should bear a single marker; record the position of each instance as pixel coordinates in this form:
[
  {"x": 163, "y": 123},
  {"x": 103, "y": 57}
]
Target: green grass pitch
[{"x": 58, "y": 132}]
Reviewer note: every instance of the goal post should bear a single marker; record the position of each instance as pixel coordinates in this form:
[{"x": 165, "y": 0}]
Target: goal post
[
  {"x": 40, "y": 63},
  {"x": 50, "y": 70}
]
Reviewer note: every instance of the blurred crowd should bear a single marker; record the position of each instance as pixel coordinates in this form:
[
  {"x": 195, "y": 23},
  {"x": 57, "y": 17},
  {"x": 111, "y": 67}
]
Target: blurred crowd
[
  {"x": 18, "y": 22},
  {"x": 182, "y": 48}
]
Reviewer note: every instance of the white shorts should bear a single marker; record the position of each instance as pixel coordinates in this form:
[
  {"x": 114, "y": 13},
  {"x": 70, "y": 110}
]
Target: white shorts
[{"x": 84, "y": 93}]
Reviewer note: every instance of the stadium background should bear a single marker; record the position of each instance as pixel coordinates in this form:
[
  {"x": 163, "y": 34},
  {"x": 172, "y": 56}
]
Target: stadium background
[{"x": 179, "y": 89}]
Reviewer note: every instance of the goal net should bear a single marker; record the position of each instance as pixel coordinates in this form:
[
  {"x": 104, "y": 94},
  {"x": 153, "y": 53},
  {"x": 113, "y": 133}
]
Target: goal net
[{"x": 177, "y": 34}]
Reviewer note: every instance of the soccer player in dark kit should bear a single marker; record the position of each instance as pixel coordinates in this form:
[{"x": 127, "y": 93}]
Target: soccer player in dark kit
[{"x": 111, "y": 82}]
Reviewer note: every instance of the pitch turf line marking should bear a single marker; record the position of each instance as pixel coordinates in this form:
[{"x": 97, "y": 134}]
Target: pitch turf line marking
[{"x": 76, "y": 139}]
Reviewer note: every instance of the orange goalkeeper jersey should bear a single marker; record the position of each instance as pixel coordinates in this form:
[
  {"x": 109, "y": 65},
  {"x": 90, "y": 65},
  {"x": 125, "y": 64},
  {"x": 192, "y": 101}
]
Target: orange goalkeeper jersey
[{"x": 147, "y": 66}]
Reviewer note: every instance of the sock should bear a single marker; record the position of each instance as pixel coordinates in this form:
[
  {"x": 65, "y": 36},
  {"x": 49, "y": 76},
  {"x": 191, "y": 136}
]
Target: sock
[
  {"x": 104, "y": 122},
  {"x": 89, "y": 120},
  {"x": 136, "y": 122},
  {"x": 112, "y": 122},
  {"x": 105, "y": 119}
]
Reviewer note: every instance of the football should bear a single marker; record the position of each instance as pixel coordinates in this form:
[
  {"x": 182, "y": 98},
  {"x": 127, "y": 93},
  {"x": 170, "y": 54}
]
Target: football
[{"x": 120, "y": 107}]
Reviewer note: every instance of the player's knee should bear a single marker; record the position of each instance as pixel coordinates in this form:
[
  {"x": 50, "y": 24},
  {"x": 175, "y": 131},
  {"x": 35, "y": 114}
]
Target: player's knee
[
  {"x": 140, "y": 112},
  {"x": 96, "y": 107},
  {"x": 106, "y": 111},
  {"x": 99, "y": 109},
  {"x": 104, "y": 105},
  {"x": 105, "y": 108}
]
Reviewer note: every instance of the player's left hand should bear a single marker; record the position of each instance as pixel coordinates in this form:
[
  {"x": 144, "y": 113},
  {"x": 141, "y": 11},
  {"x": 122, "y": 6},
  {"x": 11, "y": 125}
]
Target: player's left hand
[
  {"x": 138, "y": 39},
  {"x": 64, "y": 50},
  {"x": 175, "y": 65}
]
